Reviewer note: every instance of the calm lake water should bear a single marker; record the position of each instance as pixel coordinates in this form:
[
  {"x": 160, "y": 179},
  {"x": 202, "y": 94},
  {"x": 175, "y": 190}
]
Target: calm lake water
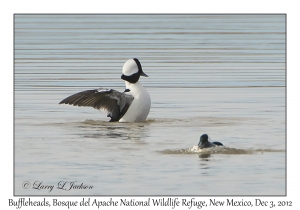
[{"x": 223, "y": 75}]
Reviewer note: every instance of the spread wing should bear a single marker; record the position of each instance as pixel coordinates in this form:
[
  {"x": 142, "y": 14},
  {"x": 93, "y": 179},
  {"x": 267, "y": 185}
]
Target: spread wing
[{"x": 112, "y": 102}]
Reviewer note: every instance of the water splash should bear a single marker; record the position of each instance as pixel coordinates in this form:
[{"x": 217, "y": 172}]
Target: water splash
[{"x": 217, "y": 150}]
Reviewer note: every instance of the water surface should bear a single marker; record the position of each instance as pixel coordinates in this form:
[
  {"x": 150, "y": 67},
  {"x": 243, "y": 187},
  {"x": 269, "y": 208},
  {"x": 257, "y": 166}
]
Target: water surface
[{"x": 223, "y": 75}]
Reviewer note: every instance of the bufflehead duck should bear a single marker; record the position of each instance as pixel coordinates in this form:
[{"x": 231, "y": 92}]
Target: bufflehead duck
[
  {"x": 133, "y": 105},
  {"x": 204, "y": 143}
]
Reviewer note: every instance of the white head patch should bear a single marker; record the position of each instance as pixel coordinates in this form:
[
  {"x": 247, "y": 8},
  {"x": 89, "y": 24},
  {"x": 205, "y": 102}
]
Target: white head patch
[{"x": 130, "y": 67}]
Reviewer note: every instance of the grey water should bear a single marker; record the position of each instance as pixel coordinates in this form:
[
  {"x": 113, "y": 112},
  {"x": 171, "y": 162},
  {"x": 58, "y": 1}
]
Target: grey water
[{"x": 224, "y": 75}]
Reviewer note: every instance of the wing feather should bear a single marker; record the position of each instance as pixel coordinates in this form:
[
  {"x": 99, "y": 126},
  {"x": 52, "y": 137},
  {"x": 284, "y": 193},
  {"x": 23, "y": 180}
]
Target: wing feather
[{"x": 112, "y": 102}]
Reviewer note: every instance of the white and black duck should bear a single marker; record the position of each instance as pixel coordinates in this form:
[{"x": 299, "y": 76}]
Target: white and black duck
[{"x": 132, "y": 105}]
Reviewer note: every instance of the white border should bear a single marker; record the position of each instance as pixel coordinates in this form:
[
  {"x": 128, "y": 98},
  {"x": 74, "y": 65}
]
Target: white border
[{"x": 8, "y": 8}]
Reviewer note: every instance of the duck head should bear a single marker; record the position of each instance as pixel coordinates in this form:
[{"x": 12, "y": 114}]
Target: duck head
[
  {"x": 132, "y": 70},
  {"x": 204, "y": 143}
]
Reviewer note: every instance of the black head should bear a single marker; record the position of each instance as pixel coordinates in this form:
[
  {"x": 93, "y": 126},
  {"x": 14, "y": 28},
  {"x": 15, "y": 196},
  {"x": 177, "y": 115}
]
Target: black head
[{"x": 203, "y": 143}]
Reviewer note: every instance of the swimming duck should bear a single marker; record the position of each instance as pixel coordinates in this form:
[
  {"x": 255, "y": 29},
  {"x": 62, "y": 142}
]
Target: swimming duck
[
  {"x": 132, "y": 105},
  {"x": 204, "y": 143}
]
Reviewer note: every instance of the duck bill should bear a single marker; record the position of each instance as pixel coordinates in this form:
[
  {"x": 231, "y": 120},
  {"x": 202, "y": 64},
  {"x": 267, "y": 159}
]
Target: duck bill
[{"x": 143, "y": 74}]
